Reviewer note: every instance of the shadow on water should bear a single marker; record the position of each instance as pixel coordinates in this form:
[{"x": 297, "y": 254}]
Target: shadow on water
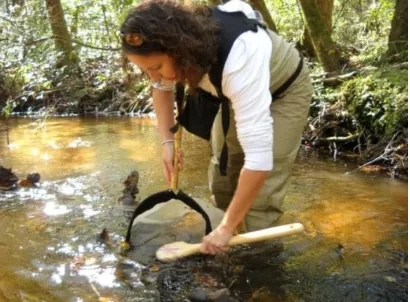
[{"x": 354, "y": 247}]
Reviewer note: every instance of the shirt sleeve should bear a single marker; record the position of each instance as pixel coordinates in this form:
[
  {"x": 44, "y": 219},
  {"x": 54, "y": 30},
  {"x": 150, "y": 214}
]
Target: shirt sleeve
[{"x": 246, "y": 81}]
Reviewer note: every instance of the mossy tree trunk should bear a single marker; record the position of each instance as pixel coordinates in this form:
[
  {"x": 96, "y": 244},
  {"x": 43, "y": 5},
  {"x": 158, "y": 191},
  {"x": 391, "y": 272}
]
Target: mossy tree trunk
[
  {"x": 326, "y": 10},
  {"x": 260, "y": 5},
  {"x": 323, "y": 44},
  {"x": 398, "y": 37},
  {"x": 62, "y": 37}
]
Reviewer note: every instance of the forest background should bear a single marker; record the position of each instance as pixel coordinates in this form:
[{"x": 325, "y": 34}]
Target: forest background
[{"x": 60, "y": 57}]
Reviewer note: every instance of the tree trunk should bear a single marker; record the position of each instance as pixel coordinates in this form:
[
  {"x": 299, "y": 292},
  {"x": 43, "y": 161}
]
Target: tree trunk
[
  {"x": 398, "y": 37},
  {"x": 62, "y": 38},
  {"x": 322, "y": 41},
  {"x": 4, "y": 90},
  {"x": 326, "y": 9},
  {"x": 260, "y": 5}
]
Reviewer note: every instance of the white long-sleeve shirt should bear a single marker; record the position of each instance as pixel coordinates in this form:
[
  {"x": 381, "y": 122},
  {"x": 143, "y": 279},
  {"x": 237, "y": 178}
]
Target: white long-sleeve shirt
[{"x": 245, "y": 82}]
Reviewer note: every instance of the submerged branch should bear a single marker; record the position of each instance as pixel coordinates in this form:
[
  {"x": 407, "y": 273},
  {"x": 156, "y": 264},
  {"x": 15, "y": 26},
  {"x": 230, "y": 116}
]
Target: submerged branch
[{"x": 387, "y": 151}]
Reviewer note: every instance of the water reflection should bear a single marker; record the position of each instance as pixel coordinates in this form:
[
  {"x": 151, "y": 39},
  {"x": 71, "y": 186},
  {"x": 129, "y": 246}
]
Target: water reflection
[
  {"x": 51, "y": 209},
  {"x": 356, "y": 225}
]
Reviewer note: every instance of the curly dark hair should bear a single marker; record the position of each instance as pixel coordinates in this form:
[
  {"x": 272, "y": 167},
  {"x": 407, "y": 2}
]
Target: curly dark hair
[{"x": 187, "y": 34}]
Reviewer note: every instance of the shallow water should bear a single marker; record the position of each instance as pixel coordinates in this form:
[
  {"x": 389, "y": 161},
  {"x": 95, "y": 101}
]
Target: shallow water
[{"x": 354, "y": 247}]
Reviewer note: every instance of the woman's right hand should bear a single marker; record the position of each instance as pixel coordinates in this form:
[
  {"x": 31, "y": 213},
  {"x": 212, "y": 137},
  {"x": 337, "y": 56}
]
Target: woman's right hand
[{"x": 168, "y": 161}]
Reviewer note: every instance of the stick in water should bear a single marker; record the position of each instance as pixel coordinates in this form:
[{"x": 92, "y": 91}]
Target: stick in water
[{"x": 176, "y": 250}]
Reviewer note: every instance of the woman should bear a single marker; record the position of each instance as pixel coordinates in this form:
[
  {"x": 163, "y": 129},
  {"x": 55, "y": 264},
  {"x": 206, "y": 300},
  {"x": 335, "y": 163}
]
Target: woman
[{"x": 225, "y": 53}]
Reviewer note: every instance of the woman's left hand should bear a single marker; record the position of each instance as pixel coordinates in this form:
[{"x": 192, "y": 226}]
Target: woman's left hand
[{"x": 217, "y": 241}]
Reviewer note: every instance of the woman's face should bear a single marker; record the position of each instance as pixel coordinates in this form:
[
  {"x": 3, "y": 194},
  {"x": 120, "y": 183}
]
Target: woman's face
[{"x": 158, "y": 66}]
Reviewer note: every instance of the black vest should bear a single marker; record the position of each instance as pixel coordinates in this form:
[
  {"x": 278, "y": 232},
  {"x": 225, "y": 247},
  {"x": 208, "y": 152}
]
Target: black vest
[
  {"x": 233, "y": 25},
  {"x": 200, "y": 109}
]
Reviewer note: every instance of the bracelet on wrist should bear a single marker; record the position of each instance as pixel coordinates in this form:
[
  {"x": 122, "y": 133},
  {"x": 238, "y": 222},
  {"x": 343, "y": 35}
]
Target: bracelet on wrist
[{"x": 167, "y": 141}]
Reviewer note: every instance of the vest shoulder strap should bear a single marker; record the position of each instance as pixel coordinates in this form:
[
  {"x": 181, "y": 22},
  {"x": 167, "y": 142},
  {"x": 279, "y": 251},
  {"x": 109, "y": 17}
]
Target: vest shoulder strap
[{"x": 233, "y": 24}]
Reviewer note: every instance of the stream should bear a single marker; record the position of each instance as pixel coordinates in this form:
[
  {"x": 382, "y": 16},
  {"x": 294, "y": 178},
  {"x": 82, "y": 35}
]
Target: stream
[{"x": 354, "y": 248}]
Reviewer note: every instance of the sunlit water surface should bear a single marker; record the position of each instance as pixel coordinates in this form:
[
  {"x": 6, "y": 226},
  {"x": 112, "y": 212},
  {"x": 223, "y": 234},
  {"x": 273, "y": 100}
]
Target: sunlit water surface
[{"x": 354, "y": 248}]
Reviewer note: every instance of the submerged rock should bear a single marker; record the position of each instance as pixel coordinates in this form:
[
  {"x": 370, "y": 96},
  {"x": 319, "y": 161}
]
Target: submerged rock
[
  {"x": 8, "y": 180},
  {"x": 130, "y": 190},
  {"x": 31, "y": 180},
  {"x": 169, "y": 222}
]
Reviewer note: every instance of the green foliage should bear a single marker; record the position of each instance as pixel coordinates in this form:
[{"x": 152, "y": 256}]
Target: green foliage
[
  {"x": 355, "y": 24},
  {"x": 287, "y": 17},
  {"x": 25, "y": 31},
  {"x": 379, "y": 101},
  {"x": 8, "y": 109},
  {"x": 364, "y": 27},
  {"x": 28, "y": 57},
  {"x": 96, "y": 24}
]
